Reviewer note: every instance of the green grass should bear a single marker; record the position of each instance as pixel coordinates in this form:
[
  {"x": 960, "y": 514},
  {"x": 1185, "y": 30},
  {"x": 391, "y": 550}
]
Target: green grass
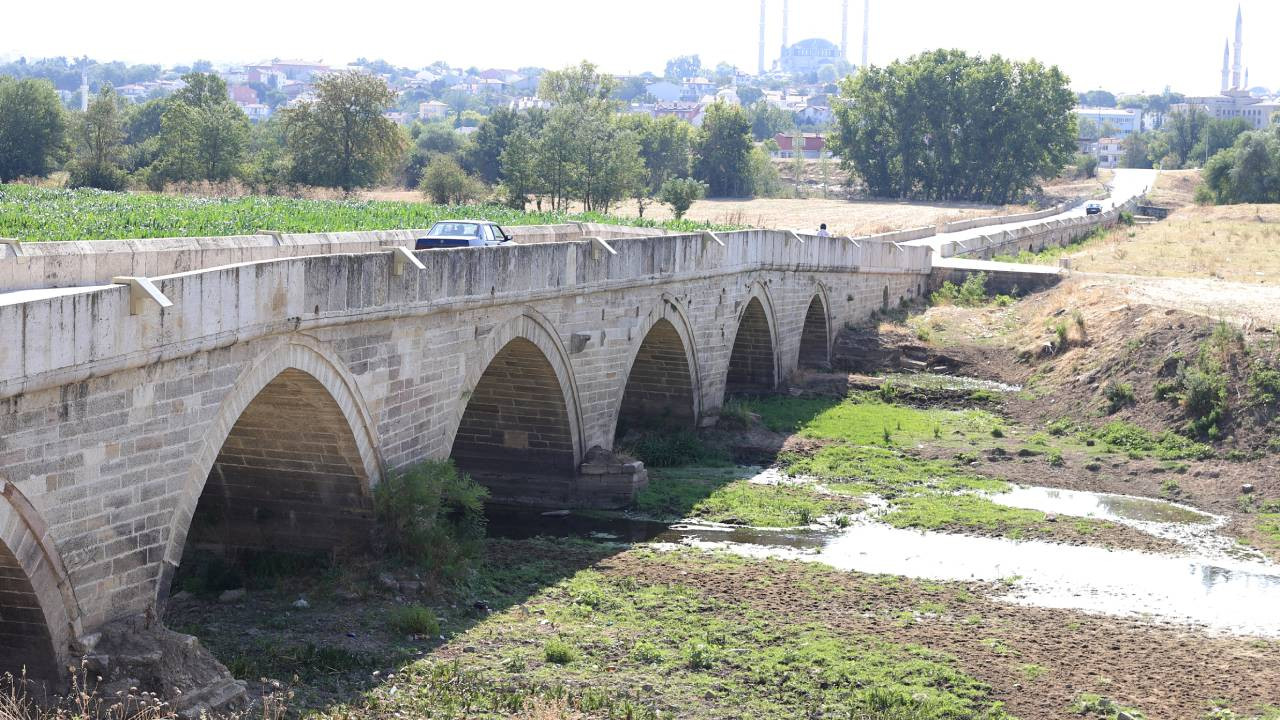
[
  {"x": 414, "y": 620},
  {"x": 726, "y": 495},
  {"x": 1096, "y": 706},
  {"x": 886, "y": 472},
  {"x": 864, "y": 418},
  {"x": 34, "y": 214},
  {"x": 705, "y": 654},
  {"x": 1138, "y": 442},
  {"x": 962, "y": 510},
  {"x": 1049, "y": 256}
]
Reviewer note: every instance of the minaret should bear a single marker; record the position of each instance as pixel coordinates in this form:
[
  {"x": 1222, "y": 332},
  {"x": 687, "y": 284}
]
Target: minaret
[
  {"x": 844, "y": 31},
  {"x": 786, "y": 18},
  {"x": 866, "y": 28},
  {"x": 84, "y": 91},
  {"x": 1226, "y": 66},
  {"x": 1237, "y": 67},
  {"x": 764, "y": 9}
]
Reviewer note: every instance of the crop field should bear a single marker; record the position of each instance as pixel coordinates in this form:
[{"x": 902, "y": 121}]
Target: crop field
[{"x": 34, "y": 214}]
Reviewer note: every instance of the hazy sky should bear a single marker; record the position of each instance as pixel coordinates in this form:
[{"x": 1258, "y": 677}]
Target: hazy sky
[{"x": 1129, "y": 45}]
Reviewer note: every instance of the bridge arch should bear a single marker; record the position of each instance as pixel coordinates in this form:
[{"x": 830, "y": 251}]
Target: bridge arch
[
  {"x": 753, "y": 358},
  {"x": 295, "y": 413},
  {"x": 518, "y": 412},
  {"x": 815, "y": 332},
  {"x": 663, "y": 381},
  {"x": 39, "y": 613}
]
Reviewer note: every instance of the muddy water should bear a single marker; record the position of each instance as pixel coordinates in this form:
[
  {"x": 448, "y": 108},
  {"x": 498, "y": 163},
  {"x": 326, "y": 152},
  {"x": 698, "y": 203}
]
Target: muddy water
[{"x": 1206, "y": 587}]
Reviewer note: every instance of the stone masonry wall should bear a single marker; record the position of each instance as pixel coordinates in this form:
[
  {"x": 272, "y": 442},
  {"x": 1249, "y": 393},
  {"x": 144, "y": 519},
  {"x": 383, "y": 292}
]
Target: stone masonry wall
[{"x": 112, "y": 422}]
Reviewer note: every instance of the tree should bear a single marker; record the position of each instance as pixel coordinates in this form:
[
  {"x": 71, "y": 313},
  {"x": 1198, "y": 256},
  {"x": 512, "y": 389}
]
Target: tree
[
  {"x": 445, "y": 182},
  {"x": 797, "y": 160},
  {"x": 1087, "y": 165},
  {"x": 767, "y": 120},
  {"x": 1087, "y": 129},
  {"x": 750, "y": 95},
  {"x": 484, "y": 157},
  {"x": 685, "y": 66},
  {"x": 681, "y": 193},
  {"x": 519, "y": 164},
  {"x": 1247, "y": 172},
  {"x": 946, "y": 125},
  {"x": 576, "y": 84},
  {"x": 1137, "y": 151},
  {"x": 203, "y": 135},
  {"x": 1182, "y": 132},
  {"x": 766, "y": 181},
  {"x": 1218, "y": 135},
  {"x": 666, "y": 146},
  {"x": 1097, "y": 98},
  {"x": 99, "y": 137},
  {"x": 724, "y": 151},
  {"x": 33, "y": 128},
  {"x": 342, "y": 139}
]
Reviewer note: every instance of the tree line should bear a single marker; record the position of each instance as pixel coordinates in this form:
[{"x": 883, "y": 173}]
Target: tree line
[
  {"x": 583, "y": 150},
  {"x": 338, "y": 139}
]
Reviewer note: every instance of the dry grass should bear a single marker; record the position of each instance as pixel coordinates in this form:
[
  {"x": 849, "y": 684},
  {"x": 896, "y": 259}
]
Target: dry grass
[
  {"x": 1240, "y": 243},
  {"x": 1175, "y": 188}
]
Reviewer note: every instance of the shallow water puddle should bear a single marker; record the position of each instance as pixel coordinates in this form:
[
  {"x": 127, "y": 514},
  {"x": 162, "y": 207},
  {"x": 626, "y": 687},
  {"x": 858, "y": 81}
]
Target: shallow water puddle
[
  {"x": 1210, "y": 586},
  {"x": 937, "y": 381},
  {"x": 1104, "y": 506},
  {"x": 1224, "y": 595}
]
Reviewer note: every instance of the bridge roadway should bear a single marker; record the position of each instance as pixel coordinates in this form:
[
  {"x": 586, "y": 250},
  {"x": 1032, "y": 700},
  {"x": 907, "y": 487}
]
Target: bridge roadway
[{"x": 256, "y": 405}]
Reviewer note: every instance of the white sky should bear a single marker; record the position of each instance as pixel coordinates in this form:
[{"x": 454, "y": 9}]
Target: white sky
[{"x": 1121, "y": 45}]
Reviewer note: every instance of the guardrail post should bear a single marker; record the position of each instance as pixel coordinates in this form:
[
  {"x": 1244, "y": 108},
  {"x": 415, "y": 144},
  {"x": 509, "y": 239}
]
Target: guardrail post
[
  {"x": 141, "y": 290},
  {"x": 401, "y": 256}
]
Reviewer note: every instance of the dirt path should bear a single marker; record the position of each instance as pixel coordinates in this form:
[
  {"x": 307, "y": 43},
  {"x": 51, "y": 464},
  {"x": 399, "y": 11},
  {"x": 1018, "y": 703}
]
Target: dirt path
[{"x": 1237, "y": 302}]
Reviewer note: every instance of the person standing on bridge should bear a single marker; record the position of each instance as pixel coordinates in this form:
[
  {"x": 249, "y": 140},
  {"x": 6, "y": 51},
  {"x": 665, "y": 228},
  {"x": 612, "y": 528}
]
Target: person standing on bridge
[{"x": 822, "y": 231}]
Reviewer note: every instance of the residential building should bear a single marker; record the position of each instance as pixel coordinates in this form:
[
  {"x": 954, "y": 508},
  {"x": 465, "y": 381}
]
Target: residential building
[
  {"x": 1116, "y": 122},
  {"x": 811, "y": 146},
  {"x": 432, "y": 110},
  {"x": 815, "y": 115}
]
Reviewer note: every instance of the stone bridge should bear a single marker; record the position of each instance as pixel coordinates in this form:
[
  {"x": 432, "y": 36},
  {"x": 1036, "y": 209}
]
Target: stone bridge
[{"x": 255, "y": 405}]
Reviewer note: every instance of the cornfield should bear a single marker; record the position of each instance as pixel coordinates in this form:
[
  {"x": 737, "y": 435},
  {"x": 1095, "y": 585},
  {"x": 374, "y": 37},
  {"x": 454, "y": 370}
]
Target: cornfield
[{"x": 33, "y": 214}]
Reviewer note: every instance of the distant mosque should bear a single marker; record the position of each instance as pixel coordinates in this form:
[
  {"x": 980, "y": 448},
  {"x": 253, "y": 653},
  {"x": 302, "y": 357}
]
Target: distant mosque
[{"x": 1234, "y": 99}]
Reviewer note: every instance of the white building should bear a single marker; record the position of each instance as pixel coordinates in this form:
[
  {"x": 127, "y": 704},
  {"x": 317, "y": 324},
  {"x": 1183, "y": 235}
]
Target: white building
[{"x": 1123, "y": 122}]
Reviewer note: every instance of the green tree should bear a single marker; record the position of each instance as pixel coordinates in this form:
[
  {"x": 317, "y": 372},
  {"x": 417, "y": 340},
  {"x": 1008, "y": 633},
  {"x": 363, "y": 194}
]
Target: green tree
[
  {"x": 723, "y": 150},
  {"x": 685, "y": 66},
  {"x": 1218, "y": 135},
  {"x": 1182, "y": 131},
  {"x": 445, "y": 182},
  {"x": 342, "y": 139},
  {"x": 203, "y": 135},
  {"x": 576, "y": 84},
  {"x": 1137, "y": 151},
  {"x": 33, "y": 128},
  {"x": 1097, "y": 98},
  {"x": 681, "y": 193},
  {"x": 427, "y": 141},
  {"x": 484, "y": 157},
  {"x": 99, "y": 144},
  {"x": 666, "y": 146},
  {"x": 766, "y": 181},
  {"x": 946, "y": 125},
  {"x": 519, "y": 164},
  {"x": 1247, "y": 172},
  {"x": 767, "y": 120}
]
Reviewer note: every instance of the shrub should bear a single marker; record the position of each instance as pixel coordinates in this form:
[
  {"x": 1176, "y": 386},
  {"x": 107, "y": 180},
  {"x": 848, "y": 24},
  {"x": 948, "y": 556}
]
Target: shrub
[
  {"x": 415, "y": 620},
  {"x": 888, "y": 391},
  {"x": 434, "y": 517},
  {"x": 700, "y": 656},
  {"x": 1264, "y": 384},
  {"x": 1055, "y": 458},
  {"x": 559, "y": 652},
  {"x": 971, "y": 293},
  {"x": 1119, "y": 395},
  {"x": 673, "y": 449},
  {"x": 680, "y": 194},
  {"x": 445, "y": 182},
  {"x": 646, "y": 653}
]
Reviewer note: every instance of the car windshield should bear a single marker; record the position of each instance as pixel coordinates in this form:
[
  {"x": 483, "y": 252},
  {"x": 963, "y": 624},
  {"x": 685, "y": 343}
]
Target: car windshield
[{"x": 454, "y": 229}]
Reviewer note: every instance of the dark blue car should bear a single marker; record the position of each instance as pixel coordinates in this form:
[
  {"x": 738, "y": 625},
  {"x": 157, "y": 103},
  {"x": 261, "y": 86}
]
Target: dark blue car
[{"x": 462, "y": 233}]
